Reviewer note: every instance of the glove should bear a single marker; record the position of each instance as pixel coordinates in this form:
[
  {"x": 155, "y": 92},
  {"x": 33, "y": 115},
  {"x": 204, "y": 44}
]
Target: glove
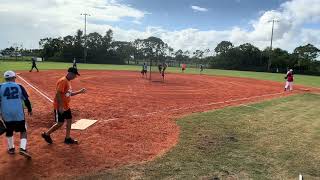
[{"x": 285, "y": 77}]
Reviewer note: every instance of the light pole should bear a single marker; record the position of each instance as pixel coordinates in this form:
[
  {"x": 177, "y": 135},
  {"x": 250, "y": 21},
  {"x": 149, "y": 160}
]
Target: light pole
[
  {"x": 269, "y": 62},
  {"x": 85, "y": 36}
]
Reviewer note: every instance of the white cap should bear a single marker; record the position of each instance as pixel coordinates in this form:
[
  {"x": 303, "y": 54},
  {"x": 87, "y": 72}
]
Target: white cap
[
  {"x": 9, "y": 74},
  {"x": 290, "y": 70}
]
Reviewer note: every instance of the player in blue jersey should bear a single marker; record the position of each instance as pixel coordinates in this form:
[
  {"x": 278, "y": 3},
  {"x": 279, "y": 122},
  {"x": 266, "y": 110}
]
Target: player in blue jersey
[{"x": 12, "y": 111}]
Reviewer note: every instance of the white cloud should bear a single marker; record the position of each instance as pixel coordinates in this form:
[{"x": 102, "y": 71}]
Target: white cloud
[
  {"x": 35, "y": 19},
  {"x": 288, "y": 32},
  {"x": 28, "y": 21},
  {"x": 197, "y": 8}
]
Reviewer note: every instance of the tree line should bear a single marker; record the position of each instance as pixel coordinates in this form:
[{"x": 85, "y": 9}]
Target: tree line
[
  {"x": 248, "y": 57},
  {"x": 102, "y": 48}
]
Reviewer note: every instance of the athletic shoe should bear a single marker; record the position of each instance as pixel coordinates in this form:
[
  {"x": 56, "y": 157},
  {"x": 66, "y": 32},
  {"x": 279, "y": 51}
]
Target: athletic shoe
[
  {"x": 11, "y": 151},
  {"x": 47, "y": 138},
  {"x": 24, "y": 153},
  {"x": 70, "y": 141}
]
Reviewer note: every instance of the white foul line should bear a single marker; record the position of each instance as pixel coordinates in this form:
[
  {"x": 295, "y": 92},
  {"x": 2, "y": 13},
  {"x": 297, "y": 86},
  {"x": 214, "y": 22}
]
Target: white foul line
[
  {"x": 224, "y": 102},
  {"x": 208, "y": 104},
  {"x": 36, "y": 89}
]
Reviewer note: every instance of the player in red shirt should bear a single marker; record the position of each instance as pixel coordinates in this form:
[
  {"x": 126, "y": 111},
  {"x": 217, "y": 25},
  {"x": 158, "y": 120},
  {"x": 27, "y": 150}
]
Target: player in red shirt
[
  {"x": 289, "y": 82},
  {"x": 183, "y": 67}
]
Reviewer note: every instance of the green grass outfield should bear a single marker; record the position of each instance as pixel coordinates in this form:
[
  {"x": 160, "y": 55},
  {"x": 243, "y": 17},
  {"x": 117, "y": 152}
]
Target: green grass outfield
[
  {"x": 313, "y": 81},
  {"x": 275, "y": 139}
]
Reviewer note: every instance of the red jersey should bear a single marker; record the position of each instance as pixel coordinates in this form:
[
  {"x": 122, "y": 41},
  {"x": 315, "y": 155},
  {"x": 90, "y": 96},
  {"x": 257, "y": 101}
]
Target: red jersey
[{"x": 290, "y": 76}]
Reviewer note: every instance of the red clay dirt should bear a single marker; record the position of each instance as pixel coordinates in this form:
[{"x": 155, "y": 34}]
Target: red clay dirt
[{"x": 136, "y": 118}]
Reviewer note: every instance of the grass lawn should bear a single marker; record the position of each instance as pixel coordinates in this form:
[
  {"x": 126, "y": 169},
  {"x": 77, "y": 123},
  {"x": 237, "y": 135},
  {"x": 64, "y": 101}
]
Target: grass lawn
[
  {"x": 313, "y": 81},
  {"x": 279, "y": 141}
]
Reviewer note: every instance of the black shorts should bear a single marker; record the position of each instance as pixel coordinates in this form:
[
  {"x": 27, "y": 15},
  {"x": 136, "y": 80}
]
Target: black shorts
[
  {"x": 60, "y": 117},
  {"x": 144, "y": 72},
  {"x": 17, "y": 126}
]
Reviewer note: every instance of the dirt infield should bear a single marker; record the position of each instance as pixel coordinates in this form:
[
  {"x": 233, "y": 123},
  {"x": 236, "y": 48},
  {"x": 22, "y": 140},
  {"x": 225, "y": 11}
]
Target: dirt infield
[{"x": 136, "y": 118}]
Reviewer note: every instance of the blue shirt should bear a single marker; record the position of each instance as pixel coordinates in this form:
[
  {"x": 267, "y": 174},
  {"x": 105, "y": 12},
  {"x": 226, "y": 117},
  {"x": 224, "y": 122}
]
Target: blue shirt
[{"x": 11, "y": 106}]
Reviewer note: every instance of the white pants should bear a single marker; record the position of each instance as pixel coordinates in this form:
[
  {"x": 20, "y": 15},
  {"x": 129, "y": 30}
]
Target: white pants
[{"x": 289, "y": 85}]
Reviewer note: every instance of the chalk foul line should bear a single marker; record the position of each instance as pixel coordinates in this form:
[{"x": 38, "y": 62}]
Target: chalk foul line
[{"x": 36, "y": 89}]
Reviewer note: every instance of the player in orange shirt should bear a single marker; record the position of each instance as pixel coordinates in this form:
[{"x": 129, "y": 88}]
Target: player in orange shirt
[{"x": 61, "y": 105}]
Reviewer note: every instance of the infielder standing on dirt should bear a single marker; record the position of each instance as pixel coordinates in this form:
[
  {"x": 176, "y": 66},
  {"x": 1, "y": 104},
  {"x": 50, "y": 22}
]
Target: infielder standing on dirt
[
  {"x": 62, "y": 109},
  {"x": 201, "y": 68},
  {"x": 289, "y": 82},
  {"x": 12, "y": 111},
  {"x": 164, "y": 67},
  {"x": 160, "y": 68},
  {"x": 144, "y": 69}
]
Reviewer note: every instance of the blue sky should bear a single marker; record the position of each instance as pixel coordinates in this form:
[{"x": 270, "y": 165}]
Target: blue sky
[
  {"x": 177, "y": 15},
  {"x": 183, "y": 24}
]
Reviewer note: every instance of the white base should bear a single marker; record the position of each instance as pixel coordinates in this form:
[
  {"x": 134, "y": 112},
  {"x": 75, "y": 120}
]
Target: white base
[{"x": 83, "y": 124}]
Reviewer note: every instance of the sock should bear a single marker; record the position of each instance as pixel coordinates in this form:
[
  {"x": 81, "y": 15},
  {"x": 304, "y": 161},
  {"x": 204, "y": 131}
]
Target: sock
[
  {"x": 10, "y": 142},
  {"x": 23, "y": 144}
]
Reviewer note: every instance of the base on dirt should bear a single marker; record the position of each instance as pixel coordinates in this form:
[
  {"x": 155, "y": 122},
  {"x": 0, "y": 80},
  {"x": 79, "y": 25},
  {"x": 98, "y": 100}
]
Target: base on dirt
[{"x": 82, "y": 124}]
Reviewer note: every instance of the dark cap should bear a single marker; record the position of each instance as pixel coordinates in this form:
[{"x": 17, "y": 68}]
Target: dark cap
[{"x": 74, "y": 71}]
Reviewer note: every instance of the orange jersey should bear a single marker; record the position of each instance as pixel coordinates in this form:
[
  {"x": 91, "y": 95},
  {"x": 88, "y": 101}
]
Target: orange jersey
[{"x": 64, "y": 87}]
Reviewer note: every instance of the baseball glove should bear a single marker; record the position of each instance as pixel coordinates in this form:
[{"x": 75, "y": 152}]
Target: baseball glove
[{"x": 286, "y": 77}]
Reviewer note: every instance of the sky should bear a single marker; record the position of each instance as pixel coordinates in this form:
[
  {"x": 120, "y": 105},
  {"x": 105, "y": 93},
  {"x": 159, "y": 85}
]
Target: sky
[{"x": 182, "y": 24}]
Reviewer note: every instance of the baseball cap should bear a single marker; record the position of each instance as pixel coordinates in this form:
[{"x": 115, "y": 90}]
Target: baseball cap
[
  {"x": 74, "y": 70},
  {"x": 290, "y": 70},
  {"x": 9, "y": 74}
]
